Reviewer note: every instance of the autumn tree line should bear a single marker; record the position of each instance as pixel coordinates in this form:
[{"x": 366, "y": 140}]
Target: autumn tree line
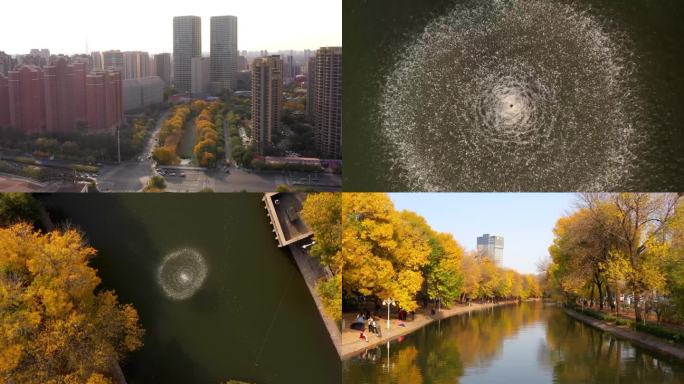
[
  {"x": 385, "y": 253},
  {"x": 627, "y": 245},
  {"x": 57, "y": 325},
  {"x": 170, "y": 136},
  {"x": 209, "y": 146}
]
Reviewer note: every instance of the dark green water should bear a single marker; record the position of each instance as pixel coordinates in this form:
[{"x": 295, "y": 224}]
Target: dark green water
[
  {"x": 528, "y": 343},
  {"x": 253, "y": 318},
  {"x": 376, "y": 32}
]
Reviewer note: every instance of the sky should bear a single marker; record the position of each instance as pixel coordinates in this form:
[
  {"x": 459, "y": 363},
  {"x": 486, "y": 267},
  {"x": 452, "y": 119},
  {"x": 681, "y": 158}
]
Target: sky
[
  {"x": 525, "y": 220},
  {"x": 147, "y": 25}
]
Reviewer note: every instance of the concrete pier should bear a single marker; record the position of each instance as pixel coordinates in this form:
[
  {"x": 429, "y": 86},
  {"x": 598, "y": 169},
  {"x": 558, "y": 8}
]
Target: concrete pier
[{"x": 291, "y": 231}]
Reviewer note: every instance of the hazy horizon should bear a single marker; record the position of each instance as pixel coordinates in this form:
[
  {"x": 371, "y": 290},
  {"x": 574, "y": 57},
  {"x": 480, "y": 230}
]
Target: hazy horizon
[{"x": 148, "y": 26}]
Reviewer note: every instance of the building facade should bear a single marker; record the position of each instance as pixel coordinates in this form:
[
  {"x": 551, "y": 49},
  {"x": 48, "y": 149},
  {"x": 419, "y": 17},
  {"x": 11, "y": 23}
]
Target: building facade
[
  {"x": 140, "y": 93},
  {"x": 491, "y": 246},
  {"x": 224, "y": 52},
  {"x": 54, "y": 99},
  {"x": 267, "y": 100},
  {"x": 136, "y": 65},
  {"x": 310, "y": 90},
  {"x": 6, "y": 63},
  {"x": 162, "y": 63},
  {"x": 187, "y": 44},
  {"x": 104, "y": 100},
  {"x": 113, "y": 60},
  {"x": 27, "y": 99},
  {"x": 4, "y": 101},
  {"x": 327, "y": 102},
  {"x": 200, "y": 67}
]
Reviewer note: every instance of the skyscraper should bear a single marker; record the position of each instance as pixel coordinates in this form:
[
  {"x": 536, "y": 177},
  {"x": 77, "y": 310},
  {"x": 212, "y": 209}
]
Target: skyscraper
[
  {"x": 163, "y": 63},
  {"x": 491, "y": 247},
  {"x": 187, "y": 43},
  {"x": 267, "y": 99},
  {"x": 224, "y": 52},
  {"x": 327, "y": 102}
]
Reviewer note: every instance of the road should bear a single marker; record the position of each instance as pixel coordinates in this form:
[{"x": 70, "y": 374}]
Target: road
[
  {"x": 197, "y": 179},
  {"x": 132, "y": 176}
]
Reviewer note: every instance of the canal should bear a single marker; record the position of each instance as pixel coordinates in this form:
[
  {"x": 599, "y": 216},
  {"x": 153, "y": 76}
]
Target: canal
[
  {"x": 217, "y": 298},
  {"x": 527, "y": 343}
]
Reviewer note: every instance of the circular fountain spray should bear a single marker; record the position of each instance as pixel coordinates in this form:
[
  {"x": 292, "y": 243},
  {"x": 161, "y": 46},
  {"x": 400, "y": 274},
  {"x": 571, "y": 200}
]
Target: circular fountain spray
[
  {"x": 512, "y": 95},
  {"x": 182, "y": 273}
]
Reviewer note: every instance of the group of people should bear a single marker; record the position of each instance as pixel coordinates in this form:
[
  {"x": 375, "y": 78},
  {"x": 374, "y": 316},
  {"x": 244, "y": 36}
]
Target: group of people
[{"x": 372, "y": 325}]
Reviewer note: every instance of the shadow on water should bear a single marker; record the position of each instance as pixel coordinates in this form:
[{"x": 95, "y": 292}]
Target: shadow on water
[
  {"x": 530, "y": 343},
  {"x": 230, "y": 328}
]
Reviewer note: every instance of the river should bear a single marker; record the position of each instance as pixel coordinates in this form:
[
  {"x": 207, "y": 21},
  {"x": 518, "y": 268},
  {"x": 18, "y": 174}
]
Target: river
[
  {"x": 229, "y": 304},
  {"x": 526, "y": 343}
]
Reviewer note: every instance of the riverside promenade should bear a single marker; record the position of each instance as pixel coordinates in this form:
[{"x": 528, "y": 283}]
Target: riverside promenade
[
  {"x": 352, "y": 344},
  {"x": 292, "y": 232},
  {"x": 639, "y": 338}
]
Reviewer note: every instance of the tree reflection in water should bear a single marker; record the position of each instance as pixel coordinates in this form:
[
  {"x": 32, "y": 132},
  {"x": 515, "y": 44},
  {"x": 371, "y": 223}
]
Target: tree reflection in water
[{"x": 471, "y": 346}]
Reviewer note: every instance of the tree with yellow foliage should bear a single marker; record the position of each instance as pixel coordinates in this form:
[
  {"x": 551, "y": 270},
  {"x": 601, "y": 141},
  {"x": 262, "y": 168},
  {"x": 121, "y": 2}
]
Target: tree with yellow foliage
[
  {"x": 322, "y": 213},
  {"x": 54, "y": 326},
  {"x": 382, "y": 252}
]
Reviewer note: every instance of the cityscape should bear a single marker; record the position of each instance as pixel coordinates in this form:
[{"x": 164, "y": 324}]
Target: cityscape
[{"x": 180, "y": 121}]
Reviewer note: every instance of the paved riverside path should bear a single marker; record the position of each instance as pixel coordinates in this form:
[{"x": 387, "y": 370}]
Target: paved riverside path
[
  {"x": 352, "y": 345},
  {"x": 312, "y": 272},
  {"x": 639, "y": 338}
]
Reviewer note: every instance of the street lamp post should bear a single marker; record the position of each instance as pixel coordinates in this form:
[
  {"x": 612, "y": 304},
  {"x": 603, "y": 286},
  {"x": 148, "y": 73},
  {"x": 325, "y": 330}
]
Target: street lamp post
[{"x": 388, "y": 303}]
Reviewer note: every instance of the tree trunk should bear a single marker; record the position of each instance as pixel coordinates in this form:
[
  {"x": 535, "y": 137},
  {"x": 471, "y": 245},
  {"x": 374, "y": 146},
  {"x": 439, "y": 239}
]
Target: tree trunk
[
  {"x": 617, "y": 301},
  {"x": 600, "y": 295},
  {"x": 608, "y": 295},
  {"x": 637, "y": 310}
]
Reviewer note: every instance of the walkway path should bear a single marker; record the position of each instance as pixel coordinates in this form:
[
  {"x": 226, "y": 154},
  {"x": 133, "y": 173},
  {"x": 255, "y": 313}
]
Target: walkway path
[
  {"x": 639, "y": 338},
  {"x": 351, "y": 344}
]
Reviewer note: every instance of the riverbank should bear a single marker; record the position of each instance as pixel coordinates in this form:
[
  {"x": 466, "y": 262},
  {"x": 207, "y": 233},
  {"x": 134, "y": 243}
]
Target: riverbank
[
  {"x": 352, "y": 344},
  {"x": 641, "y": 339}
]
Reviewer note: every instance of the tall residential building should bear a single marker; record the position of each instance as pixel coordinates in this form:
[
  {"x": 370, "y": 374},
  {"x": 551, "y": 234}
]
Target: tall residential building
[
  {"x": 97, "y": 61},
  {"x": 6, "y": 63},
  {"x": 104, "y": 100},
  {"x": 136, "y": 65},
  {"x": 200, "y": 76},
  {"x": 162, "y": 62},
  {"x": 267, "y": 99},
  {"x": 187, "y": 43},
  {"x": 327, "y": 102},
  {"x": 311, "y": 89},
  {"x": 288, "y": 69},
  {"x": 491, "y": 246},
  {"x": 4, "y": 101},
  {"x": 59, "y": 97},
  {"x": 26, "y": 99},
  {"x": 224, "y": 52},
  {"x": 55, "y": 98},
  {"x": 113, "y": 60}
]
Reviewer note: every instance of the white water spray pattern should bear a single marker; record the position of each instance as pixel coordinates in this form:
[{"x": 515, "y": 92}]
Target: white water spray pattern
[
  {"x": 512, "y": 95},
  {"x": 182, "y": 273}
]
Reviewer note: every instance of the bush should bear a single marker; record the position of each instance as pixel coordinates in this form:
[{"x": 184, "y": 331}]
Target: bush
[
  {"x": 664, "y": 333},
  {"x": 623, "y": 322}
]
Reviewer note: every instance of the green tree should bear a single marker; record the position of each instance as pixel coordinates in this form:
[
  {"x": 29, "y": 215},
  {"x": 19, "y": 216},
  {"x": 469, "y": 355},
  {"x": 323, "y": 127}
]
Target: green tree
[{"x": 15, "y": 207}]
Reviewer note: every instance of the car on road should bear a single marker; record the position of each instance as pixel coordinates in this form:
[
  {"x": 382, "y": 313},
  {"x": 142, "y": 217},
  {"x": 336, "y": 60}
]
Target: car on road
[{"x": 181, "y": 174}]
